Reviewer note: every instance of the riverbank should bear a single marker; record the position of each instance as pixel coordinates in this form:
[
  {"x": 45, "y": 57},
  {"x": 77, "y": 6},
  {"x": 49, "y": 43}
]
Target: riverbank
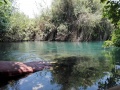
[{"x": 74, "y": 36}]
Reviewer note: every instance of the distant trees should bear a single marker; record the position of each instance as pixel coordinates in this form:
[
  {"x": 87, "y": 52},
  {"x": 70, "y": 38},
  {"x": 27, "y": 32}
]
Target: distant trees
[
  {"x": 83, "y": 17},
  {"x": 66, "y": 20},
  {"x": 20, "y": 27},
  {"x": 14, "y": 25},
  {"x": 62, "y": 12}
]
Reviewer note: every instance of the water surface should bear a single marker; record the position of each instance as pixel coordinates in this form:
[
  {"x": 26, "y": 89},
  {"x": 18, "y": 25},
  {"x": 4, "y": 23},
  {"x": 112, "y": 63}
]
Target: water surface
[
  {"x": 85, "y": 66},
  {"x": 32, "y": 51}
]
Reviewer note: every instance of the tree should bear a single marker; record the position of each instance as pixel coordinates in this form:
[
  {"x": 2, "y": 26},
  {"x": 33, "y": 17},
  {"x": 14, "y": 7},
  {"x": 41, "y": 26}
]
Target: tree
[
  {"x": 63, "y": 12},
  {"x": 5, "y": 12},
  {"x": 112, "y": 12}
]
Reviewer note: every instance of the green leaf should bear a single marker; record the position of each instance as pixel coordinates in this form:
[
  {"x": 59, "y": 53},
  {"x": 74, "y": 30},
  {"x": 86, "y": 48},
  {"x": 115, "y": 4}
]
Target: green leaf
[
  {"x": 103, "y": 1},
  {"x": 1, "y": 3},
  {"x": 108, "y": 2},
  {"x": 5, "y": 1}
]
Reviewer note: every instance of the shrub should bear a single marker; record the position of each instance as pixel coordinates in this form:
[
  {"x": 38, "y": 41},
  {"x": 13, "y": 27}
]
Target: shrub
[
  {"x": 116, "y": 37},
  {"x": 62, "y": 29}
]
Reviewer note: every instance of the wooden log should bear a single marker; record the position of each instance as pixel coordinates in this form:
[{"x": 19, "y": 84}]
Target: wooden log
[{"x": 11, "y": 68}]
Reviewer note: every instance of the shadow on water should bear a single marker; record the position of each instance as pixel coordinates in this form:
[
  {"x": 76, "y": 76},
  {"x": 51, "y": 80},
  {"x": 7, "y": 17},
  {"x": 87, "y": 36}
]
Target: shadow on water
[
  {"x": 6, "y": 80},
  {"x": 78, "y": 72},
  {"x": 83, "y": 72}
]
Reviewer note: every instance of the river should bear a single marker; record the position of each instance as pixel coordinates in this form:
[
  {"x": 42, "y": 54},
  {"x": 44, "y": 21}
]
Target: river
[{"x": 93, "y": 66}]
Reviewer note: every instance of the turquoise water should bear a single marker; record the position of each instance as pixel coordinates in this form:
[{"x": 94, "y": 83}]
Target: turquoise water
[
  {"x": 95, "y": 65},
  {"x": 33, "y": 51}
]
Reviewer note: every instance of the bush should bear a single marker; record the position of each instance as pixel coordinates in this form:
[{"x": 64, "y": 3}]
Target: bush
[
  {"x": 107, "y": 44},
  {"x": 62, "y": 29},
  {"x": 116, "y": 37}
]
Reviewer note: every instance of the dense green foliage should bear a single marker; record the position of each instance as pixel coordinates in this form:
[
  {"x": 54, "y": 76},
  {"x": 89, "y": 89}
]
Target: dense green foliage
[
  {"x": 3, "y": 2},
  {"x": 116, "y": 37},
  {"x": 66, "y": 20},
  {"x": 76, "y": 20},
  {"x": 112, "y": 12},
  {"x": 20, "y": 27},
  {"x": 5, "y": 13},
  {"x": 14, "y": 25},
  {"x": 74, "y": 72}
]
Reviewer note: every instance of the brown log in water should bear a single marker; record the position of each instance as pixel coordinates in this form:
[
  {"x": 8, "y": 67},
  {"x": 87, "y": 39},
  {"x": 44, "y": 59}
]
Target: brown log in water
[{"x": 11, "y": 68}]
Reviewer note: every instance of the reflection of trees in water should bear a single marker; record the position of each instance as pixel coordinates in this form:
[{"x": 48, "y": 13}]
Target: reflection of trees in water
[
  {"x": 10, "y": 83},
  {"x": 114, "y": 78},
  {"x": 112, "y": 81},
  {"x": 116, "y": 55},
  {"x": 75, "y": 72},
  {"x": 5, "y": 51}
]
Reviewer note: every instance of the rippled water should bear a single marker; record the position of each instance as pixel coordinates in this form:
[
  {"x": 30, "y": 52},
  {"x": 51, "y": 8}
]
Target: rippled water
[{"x": 84, "y": 65}]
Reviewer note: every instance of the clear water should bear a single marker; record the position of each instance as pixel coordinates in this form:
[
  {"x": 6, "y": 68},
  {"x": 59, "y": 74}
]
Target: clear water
[
  {"x": 32, "y": 51},
  {"x": 94, "y": 70}
]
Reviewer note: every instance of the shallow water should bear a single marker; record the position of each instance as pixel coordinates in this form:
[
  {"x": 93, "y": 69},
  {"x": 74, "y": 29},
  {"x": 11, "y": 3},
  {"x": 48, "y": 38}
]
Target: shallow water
[{"x": 93, "y": 67}]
